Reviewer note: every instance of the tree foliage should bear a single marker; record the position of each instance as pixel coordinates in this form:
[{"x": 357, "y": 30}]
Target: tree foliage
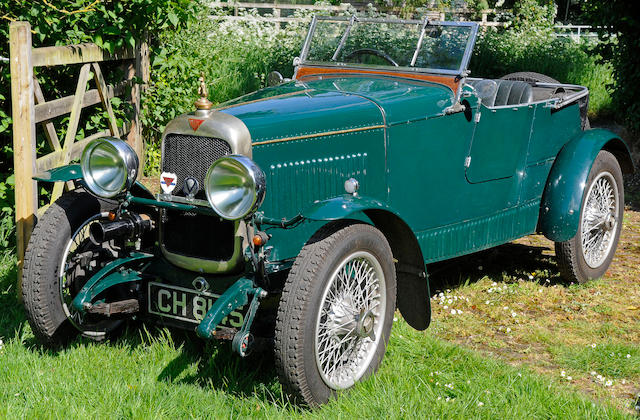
[
  {"x": 620, "y": 29},
  {"x": 109, "y": 23}
]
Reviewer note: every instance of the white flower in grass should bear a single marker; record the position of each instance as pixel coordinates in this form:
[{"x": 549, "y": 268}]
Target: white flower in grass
[
  {"x": 513, "y": 314},
  {"x": 506, "y": 308},
  {"x": 593, "y": 373},
  {"x": 593, "y": 346},
  {"x": 508, "y": 330},
  {"x": 487, "y": 302},
  {"x": 446, "y": 307},
  {"x": 608, "y": 383},
  {"x": 628, "y": 355},
  {"x": 1, "y": 344},
  {"x": 459, "y": 311},
  {"x": 494, "y": 284},
  {"x": 480, "y": 403},
  {"x": 563, "y": 373},
  {"x": 530, "y": 277},
  {"x": 453, "y": 312},
  {"x": 569, "y": 378}
]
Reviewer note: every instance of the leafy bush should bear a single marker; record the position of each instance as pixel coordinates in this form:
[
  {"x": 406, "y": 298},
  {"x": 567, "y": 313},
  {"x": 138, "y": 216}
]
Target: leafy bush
[
  {"x": 529, "y": 45},
  {"x": 620, "y": 28},
  {"x": 234, "y": 57},
  {"x": 110, "y": 24}
]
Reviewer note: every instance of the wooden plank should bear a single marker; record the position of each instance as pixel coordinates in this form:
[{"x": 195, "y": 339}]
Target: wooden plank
[
  {"x": 105, "y": 98},
  {"x": 49, "y": 128},
  {"x": 72, "y": 128},
  {"x": 250, "y": 5},
  {"x": 24, "y": 136},
  {"x": 57, "y": 107},
  {"x": 52, "y": 160},
  {"x": 141, "y": 70},
  {"x": 77, "y": 54}
]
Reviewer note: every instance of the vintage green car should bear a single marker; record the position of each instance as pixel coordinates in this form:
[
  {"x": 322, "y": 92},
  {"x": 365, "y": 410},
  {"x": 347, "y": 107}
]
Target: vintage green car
[{"x": 302, "y": 215}]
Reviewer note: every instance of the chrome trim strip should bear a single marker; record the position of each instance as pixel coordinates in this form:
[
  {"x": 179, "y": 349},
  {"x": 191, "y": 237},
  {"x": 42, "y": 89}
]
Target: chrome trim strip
[
  {"x": 420, "y": 40},
  {"x": 322, "y": 134},
  {"x": 177, "y": 199},
  {"x": 344, "y": 38}
]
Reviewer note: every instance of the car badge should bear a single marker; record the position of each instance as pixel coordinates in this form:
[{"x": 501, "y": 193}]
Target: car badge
[
  {"x": 195, "y": 123},
  {"x": 168, "y": 182},
  {"x": 190, "y": 187}
]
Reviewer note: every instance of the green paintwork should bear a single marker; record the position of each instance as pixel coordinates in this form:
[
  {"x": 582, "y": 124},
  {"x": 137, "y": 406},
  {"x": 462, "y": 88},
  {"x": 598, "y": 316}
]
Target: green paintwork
[
  {"x": 60, "y": 174},
  {"x": 106, "y": 278},
  {"x": 343, "y": 207},
  {"x": 457, "y": 182},
  {"x": 170, "y": 205},
  {"x": 560, "y": 213},
  {"x": 233, "y": 298}
]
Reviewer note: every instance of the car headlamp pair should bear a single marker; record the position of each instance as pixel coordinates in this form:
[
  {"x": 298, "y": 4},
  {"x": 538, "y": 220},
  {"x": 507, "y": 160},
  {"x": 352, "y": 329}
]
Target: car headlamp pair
[{"x": 235, "y": 186}]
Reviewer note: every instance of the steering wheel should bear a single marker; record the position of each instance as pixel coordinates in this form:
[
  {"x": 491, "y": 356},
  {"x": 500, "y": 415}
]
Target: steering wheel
[{"x": 372, "y": 51}]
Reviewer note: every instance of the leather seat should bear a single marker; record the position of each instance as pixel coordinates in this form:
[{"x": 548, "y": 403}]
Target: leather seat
[{"x": 510, "y": 92}]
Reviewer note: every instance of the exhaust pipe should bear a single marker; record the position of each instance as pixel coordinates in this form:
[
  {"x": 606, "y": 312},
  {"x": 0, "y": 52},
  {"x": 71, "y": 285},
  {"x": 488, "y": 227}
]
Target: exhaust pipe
[{"x": 130, "y": 226}]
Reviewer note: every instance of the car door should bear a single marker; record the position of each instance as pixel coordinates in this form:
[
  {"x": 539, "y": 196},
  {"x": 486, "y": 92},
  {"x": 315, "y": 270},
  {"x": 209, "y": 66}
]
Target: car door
[{"x": 499, "y": 143}]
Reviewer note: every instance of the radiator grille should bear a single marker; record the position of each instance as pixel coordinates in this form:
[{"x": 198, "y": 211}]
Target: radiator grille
[
  {"x": 191, "y": 156},
  {"x": 191, "y": 235}
]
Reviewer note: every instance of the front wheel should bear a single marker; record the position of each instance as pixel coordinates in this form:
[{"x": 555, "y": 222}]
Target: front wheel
[
  {"x": 589, "y": 253},
  {"x": 336, "y": 312},
  {"x": 60, "y": 258}
]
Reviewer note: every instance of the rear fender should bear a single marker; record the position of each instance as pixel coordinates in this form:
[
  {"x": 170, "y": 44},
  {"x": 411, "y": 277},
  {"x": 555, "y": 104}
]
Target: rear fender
[
  {"x": 413, "y": 297},
  {"x": 562, "y": 197}
]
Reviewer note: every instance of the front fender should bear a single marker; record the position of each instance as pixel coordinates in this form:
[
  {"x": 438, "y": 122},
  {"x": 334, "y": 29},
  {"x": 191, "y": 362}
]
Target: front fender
[
  {"x": 343, "y": 207},
  {"x": 61, "y": 174},
  {"x": 73, "y": 172},
  {"x": 413, "y": 296},
  {"x": 562, "y": 198}
]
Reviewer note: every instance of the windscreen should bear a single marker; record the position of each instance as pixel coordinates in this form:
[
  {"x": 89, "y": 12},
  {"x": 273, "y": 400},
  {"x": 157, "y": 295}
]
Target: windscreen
[{"x": 388, "y": 43}]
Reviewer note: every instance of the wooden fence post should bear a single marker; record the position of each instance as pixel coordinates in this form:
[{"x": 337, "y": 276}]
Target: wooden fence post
[
  {"x": 141, "y": 71},
  {"x": 24, "y": 136}
]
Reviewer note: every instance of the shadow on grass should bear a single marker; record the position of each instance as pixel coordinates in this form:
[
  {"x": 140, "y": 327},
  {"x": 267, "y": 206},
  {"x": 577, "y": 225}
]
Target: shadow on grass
[
  {"x": 217, "y": 366},
  {"x": 220, "y": 368},
  {"x": 508, "y": 262}
]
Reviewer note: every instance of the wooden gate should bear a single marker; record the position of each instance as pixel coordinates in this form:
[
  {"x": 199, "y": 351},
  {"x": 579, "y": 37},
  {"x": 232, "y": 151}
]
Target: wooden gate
[{"x": 29, "y": 108}]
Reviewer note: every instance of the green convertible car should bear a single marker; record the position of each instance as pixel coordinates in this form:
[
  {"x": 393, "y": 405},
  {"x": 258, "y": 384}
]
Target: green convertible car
[{"x": 302, "y": 215}]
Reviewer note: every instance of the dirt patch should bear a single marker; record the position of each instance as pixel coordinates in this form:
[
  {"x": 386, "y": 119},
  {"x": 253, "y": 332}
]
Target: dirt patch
[{"x": 510, "y": 302}]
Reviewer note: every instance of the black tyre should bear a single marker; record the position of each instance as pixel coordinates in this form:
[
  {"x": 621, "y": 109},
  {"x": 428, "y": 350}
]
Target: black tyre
[
  {"x": 60, "y": 258},
  {"x": 336, "y": 312},
  {"x": 589, "y": 253},
  {"x": 529, "y": 76},
  {"x": 533, "y": 77}
]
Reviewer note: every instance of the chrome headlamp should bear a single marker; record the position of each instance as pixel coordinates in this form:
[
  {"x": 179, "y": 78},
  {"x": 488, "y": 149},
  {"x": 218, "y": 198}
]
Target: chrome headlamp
[
  {"x": 109, "y": 166},
  {"x": 235, "y": 186}
]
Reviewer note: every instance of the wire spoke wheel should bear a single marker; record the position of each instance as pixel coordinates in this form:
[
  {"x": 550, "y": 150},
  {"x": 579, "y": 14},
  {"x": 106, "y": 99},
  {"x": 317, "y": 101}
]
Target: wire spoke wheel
[
  {"x": 80, "y": 260},
  {"x": 599, "y": 219},
  {"x": 336, "y": 311},
  {"x": 60, "y": 259},
  {"x": 350, "y": 320},
  {"x": 589, "y": 253}
]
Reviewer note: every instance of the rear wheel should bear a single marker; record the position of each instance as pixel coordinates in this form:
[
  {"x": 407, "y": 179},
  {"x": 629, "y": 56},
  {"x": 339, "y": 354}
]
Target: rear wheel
[
  {"x": 336, "y": 312},
  {"x": 589, "y": 253},
  {"x": 60, "y": 258}
]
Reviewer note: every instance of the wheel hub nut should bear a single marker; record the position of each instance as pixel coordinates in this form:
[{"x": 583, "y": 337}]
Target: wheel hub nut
[
  {"x": 609, "y": 222},
  {"x": 365, "y": 323}
]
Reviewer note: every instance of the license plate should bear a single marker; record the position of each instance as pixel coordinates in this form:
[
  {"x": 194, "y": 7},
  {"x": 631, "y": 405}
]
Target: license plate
[{"x": 187, "y": 305}]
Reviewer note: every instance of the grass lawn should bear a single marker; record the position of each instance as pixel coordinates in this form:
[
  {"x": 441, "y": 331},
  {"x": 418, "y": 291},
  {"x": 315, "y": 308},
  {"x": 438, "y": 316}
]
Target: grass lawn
[{"x": 508, "y": 340}]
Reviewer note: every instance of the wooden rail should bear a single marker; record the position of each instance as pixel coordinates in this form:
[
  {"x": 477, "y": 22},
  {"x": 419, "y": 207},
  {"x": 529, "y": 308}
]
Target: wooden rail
[
  {"x": 30, "y": 108},
  {"x": 276, "y": 14}
]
